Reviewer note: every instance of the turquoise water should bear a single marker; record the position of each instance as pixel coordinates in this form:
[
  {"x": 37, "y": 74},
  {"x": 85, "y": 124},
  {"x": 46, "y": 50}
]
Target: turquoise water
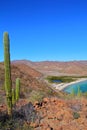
[{"x": 82, "y": 85}]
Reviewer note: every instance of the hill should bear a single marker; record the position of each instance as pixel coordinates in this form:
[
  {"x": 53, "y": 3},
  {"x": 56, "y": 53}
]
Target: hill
[
  {"x": 30, "y": 80},
  {"x": 49, "y": 113},
  {"x": 27, "y": 69},
  {"x": 58, "y": 68}
]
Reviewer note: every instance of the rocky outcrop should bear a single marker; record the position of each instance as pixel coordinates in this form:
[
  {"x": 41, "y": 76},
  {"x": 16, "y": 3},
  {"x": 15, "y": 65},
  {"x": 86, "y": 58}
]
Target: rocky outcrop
[
  {"x": 59, "y": 114},
  {"x": 50, "y": 114}
]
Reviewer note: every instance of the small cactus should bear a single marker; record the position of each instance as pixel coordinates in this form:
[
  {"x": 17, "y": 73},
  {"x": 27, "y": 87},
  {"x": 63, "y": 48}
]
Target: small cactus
[
  {"x": 13, "y": 97},
  {"x": 73, "y": 92},
  {"x": 17, "y": 90},
  {"x": 79, "y": 93}
]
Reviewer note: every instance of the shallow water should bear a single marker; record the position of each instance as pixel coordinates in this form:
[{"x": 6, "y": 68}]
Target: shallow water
[{"x": 82, "y": 85}]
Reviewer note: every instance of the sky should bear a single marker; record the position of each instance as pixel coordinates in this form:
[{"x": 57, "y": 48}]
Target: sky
[{"x": 54, "y": 30}]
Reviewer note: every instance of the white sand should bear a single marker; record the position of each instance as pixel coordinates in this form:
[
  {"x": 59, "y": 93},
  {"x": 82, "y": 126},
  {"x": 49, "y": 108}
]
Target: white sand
[{"x": 61, "y": 86}]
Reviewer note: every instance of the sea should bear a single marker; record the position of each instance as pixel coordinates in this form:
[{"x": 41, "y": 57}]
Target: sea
[{"x": 81, "y": 85}]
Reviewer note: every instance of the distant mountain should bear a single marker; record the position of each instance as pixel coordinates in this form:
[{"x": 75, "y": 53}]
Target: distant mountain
[
  {"x": 27, "y": 62},
  {"x": 58, "y": 68},
  {"x": 63, "y": 68}
]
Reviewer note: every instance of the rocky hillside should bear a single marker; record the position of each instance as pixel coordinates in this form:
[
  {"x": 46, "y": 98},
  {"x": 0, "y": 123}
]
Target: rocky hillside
[
  {"x": 54, "y": 112},
  {"x": 26, "y": 74},
  {"x": 27, "y": 69},
  {"x": 59, "y": 114},
  {"x": 29, "y": 79},
  {"x": 49, "y": 114}
]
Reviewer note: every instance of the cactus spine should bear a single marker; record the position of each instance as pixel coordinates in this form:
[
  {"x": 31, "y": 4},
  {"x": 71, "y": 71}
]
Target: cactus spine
[
  {"x": 17, "y": 89},
  {"x": 8, "y": 83}
]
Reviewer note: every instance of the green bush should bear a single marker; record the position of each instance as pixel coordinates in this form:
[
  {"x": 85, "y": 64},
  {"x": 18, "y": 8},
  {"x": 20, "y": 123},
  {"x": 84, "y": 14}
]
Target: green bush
[
  {"x": 36, "y": 96},
  {"x": 50, "y": 92},
  {"x": 76, "y": 115},
  {"x": 12, "y": 124},
  {"x": 79, "y": 93},
  {"x": 73, "y": 92},
  {"x": 65, "y": 79}
]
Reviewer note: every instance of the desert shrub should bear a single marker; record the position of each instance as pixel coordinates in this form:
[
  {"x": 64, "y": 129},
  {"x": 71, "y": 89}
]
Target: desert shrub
[
  {"x": 85, "y": 94},
  {"x": 50, "y": 92},
  {"x": 79, "y": 93},
  {"x": 14, "y": 125},
  {"x": 17, "y": 122},
  {"x": 36, "y": 96},
  {"x": 72, "y": 93},
  {"x": 76, "y": 115},
  {"x": 22, "y": 127}
]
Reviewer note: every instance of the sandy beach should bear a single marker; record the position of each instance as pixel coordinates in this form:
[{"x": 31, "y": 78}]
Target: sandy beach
[{"x": 61, "y": 86}]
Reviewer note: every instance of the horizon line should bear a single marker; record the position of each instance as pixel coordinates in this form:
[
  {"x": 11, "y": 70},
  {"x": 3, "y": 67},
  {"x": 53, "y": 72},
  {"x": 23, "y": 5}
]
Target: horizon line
[{"x": 14, "y": 60}]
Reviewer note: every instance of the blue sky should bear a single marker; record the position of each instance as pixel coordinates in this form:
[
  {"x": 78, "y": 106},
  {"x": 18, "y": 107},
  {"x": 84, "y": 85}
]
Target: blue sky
[{"x": 45, "y": 29}]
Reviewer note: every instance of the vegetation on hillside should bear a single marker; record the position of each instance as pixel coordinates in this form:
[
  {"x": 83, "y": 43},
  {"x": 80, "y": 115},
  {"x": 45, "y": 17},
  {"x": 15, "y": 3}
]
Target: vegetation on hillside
[{"x": 64, "y": 79}]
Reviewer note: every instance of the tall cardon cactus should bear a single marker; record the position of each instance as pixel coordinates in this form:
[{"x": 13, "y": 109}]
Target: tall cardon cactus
[
  {"x": 8, "y": 83},
  {"x": 12, "y": 95}
]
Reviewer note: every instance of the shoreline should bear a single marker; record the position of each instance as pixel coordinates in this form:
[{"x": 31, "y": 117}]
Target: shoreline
[{"x": 61, "y": 86}]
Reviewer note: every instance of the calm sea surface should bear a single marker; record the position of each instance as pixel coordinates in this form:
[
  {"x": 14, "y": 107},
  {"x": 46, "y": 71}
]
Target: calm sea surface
[{"x": 82, "y": 85}]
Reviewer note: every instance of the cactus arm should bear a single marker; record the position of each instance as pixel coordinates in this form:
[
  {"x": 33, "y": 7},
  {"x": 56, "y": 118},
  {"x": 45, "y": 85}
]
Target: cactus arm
[
  {"x": 17, "y": 89},
  {"x": 13, "y": 97}
]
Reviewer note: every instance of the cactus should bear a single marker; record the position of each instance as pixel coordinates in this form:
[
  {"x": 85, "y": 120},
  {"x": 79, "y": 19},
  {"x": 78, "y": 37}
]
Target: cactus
[
  {"x": 16, "y": 92},
  {"x": 17, "y": 89},
  {"x": 8, "y": 82},
  {"x": 12, "y": 95},
  {"x": 79, "y": 93},
  {"x": 73, "y": 92}
]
